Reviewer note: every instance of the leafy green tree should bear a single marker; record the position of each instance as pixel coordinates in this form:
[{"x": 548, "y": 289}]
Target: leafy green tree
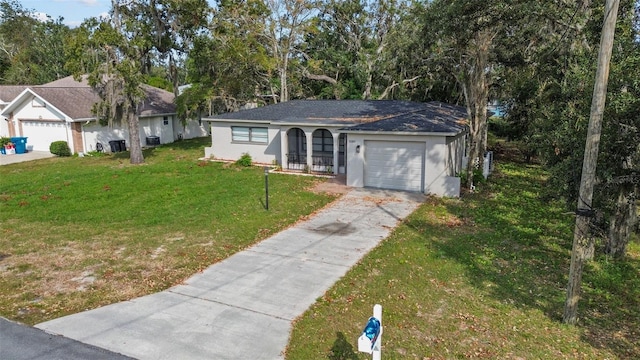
[
  {"x": 561, "y": 122},
  {"x": 229, "y": 64},
  {"x": 286, "y": 26},
  {"x": 476, "y": 45},
  {"x": 31, "y": 51},
  {"x": 349, "y": 53},
  {"x": 461, "y": 35},
  {"x": 118, "y": 52}
]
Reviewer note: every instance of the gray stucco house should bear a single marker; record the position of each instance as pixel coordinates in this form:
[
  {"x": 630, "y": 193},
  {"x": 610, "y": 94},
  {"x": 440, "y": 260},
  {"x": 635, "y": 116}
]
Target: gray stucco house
[{"x": 383, "y": 144}]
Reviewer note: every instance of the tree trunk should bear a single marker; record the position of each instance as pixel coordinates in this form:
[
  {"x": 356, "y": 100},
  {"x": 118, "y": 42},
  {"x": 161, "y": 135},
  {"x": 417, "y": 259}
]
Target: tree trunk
[
  {"x": 621, "y": 225},
  {"x": 582, "y": 248},
  {"x": 366, "y": 95},
  {"x": 475, "y": 88},
  {"x": 135, "y": 148},
  {"x": 284, "y": 87}
]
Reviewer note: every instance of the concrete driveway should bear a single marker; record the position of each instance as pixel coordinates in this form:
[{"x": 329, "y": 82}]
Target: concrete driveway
[
  {"x": 243, "y": 307},
  {"x": 28, "y": 156}
]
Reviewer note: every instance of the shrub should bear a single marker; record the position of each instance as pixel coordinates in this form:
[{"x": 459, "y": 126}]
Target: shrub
[
  {"x": 245, "y": 160},
  {"x": 60, "y": 148},
  {"x": 4, "y": 141},
  {"x": 478, "y": 178}
]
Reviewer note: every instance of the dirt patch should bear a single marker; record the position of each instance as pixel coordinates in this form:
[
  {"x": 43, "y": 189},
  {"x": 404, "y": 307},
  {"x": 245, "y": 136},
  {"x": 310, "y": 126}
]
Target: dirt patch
[{"x": 336, "y": 185}]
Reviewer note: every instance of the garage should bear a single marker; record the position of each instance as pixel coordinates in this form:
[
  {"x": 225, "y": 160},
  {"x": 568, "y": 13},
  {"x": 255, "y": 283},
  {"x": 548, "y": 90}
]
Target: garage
[
  {"x": 40, "y": 134},
  {"x": 394, "y": 165}
]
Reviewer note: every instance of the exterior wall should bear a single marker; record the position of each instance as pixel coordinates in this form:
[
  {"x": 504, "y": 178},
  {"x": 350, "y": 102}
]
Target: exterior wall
[
  {"x": 94, "y": 133},
  {"x": 193, "y": 129},
  {"x": 437, "y": 178},
  {"x": 4, "y": 127},
  {"x": 31, "y": 109},
  {"x": 4, "y": 122},
  {"x": 156, "y": 126},
  {"x": 223, "y": 148},
  {"x": 456, "y": 151}
]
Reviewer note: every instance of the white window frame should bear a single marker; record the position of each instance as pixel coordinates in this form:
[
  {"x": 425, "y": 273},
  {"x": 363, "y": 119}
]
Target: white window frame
[{"x": 254, "y": 135}]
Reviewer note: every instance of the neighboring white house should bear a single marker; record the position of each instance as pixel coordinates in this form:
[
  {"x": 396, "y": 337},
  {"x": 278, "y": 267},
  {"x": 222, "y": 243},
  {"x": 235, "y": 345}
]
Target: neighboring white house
[
  {"x": 381, "y": 144},
  {"x": 61, "y": 110}
]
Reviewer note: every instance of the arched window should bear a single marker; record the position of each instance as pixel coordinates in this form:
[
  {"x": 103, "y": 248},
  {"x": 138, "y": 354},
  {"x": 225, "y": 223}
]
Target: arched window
[{"x": 322, "y": 141}]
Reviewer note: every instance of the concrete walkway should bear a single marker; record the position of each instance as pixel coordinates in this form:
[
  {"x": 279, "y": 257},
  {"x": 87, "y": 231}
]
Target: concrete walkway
[
  {"x": 243, "y": 306},
  {"x": 28, "y": 156}
]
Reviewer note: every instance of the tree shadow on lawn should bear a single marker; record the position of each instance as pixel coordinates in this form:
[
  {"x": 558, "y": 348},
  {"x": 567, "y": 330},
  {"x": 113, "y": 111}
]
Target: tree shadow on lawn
[
  {"x": 342, "y": 349},
  {"x": 521, "y": 246}
]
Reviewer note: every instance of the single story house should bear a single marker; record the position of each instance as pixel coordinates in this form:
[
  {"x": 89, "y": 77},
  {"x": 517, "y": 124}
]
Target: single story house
[
  {"x": 61, "y": 110},
  {"x": 381, "y": 144}
]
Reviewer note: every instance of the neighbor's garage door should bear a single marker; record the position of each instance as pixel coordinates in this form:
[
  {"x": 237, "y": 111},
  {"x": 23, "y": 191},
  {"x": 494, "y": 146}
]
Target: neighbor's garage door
[
  {"x": 394, "y": 165},
  {"x": 40, "y": 134}
]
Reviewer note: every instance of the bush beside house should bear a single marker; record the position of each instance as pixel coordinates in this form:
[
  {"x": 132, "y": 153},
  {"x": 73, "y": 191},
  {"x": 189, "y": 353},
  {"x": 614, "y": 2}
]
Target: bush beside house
[{"x": 60, "y": 148}]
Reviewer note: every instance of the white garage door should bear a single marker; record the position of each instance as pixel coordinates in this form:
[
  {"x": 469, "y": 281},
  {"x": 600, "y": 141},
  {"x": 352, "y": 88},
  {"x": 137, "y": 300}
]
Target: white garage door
[
  {"x": 394, "y": 165},
  {"x": 40, "y": 134}
]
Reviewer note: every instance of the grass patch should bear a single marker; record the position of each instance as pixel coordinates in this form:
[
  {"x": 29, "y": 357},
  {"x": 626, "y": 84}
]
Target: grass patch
[
  {"x": 482, "y": 277},
  {"x": 78, "y": 233}
]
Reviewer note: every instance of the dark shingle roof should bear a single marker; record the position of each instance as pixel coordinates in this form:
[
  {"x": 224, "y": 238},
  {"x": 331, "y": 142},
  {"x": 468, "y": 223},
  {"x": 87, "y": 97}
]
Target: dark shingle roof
[
  {"x": 364, "y": 115},
  {"x": 436, "y": 117},
  {"x": 325, "y": 111}
]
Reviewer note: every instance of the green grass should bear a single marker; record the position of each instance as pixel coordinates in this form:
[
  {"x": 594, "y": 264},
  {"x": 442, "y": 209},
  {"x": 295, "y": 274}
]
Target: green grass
[
  {"x": 77, "y": 233},
  {"x": 482, "y": 277}
]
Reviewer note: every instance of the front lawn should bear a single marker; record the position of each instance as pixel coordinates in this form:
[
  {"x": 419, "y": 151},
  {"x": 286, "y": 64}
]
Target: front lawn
[
  {"x": 479, "y": 278},
  {"x": 78, "y": 233}
]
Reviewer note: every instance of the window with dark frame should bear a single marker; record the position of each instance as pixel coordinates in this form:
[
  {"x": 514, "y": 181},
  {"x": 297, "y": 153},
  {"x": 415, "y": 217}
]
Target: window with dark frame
[{"x": 323, "y": 142}]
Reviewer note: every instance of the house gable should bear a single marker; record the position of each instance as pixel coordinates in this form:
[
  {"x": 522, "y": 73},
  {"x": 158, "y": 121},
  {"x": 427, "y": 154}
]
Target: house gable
[{"x": 31, "y": 106}]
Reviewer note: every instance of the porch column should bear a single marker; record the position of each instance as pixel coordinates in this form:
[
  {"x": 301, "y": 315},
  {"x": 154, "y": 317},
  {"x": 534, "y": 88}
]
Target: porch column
[
  {"x": 284, "y": 147},
  {"x": 309, "y": 136},
  {"x": 336, "y": 151}
]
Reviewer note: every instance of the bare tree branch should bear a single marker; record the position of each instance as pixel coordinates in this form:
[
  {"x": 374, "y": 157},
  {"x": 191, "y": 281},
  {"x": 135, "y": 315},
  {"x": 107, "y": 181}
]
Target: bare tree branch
[{"x": 386, "y": 91}]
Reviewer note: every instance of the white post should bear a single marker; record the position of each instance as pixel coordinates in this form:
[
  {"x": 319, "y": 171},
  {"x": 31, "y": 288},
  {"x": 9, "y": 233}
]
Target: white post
[
  {"x": 371, "y": 339},
  {"x": 377, "y": 349}
]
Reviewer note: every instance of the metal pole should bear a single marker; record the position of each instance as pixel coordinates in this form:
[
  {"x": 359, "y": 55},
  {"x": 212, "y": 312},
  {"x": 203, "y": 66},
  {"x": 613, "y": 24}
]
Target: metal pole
[{"x": 266, "y": 186}]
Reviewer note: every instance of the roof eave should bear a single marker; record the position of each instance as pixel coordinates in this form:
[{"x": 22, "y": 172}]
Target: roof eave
[
  {"x": 312, "y": 123},
  {"x": 403, "y": 133},
  {"x": 158, "y": 114},
  {"x": 210, "y": 119},
  {"x": 84, "y": 119}
]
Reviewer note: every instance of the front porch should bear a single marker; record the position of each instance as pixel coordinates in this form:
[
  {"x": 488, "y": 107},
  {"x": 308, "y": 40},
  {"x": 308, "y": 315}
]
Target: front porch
[{"x": 321, "y": 157}]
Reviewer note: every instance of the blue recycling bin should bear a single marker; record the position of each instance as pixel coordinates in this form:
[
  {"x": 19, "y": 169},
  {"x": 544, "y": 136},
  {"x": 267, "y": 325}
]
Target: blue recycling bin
[{"x": 20, "y": 144}]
